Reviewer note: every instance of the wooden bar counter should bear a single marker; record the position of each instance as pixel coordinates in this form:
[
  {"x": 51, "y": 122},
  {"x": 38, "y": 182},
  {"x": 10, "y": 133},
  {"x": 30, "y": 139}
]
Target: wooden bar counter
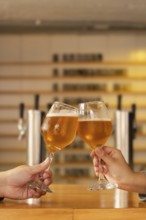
[{"x": 75, "y": 202}]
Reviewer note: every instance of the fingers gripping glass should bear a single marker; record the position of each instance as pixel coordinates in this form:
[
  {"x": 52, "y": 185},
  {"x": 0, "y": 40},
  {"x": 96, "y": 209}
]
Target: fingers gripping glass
[
  {"x": 95, "y": 127},
  {"x": 58, "y": 130}
]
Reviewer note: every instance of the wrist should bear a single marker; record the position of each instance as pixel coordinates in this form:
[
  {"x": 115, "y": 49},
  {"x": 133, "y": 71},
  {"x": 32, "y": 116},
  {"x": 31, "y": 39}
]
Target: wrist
[
  {"x": 135, "y": 182},
  {"x": 128, "y": 182}
]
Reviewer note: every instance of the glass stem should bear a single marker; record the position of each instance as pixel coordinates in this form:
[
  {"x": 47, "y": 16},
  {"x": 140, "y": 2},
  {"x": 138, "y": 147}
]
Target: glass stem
[
  {"x": 51, "y": 156},
  {"x": 100, "y": 174}
]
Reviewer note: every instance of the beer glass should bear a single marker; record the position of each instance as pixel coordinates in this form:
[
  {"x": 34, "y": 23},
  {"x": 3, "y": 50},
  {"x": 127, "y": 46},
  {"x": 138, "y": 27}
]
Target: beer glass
[
  {"x": 58, "y": 130},
  {"x": 95, "y": 127}
]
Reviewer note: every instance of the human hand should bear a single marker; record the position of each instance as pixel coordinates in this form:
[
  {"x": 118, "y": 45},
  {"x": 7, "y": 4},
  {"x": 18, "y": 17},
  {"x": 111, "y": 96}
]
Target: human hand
[
  {"x": 114, "y": 166},
  {"x": 15, "y": 183}
]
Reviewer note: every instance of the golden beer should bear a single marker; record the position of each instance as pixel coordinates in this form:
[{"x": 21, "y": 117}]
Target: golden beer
[
  {"x": 59, "y": 131},
  {"x": 94, "y": 132}
]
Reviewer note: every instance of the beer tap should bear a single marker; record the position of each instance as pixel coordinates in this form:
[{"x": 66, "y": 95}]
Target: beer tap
[
  {"x": 42, "y": 145},
  {"x": 34, "y": 137},
  {"x": 36, "y": 102},
  {"x": 119, "y": 103},
  {"x": 22, "y": 128},
  {"x": 134, "y": 119},
  {"x": 35, "y": 147},
  {"x": 132, "y": 133}
]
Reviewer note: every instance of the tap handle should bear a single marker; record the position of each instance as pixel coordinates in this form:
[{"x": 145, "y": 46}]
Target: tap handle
[
  {"x": 49, "y": 106},
  {"x": 21, "y": 110},
  {"x": 134, "y": 111},
  {"x": 119, "y": 105},
  {"x": 42, "y": 145},
  {"x": 36, "y": 103}
]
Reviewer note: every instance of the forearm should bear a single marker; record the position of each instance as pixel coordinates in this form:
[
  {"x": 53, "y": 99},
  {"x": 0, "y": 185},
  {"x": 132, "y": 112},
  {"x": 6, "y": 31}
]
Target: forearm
[{"x": 135, "y": 183}]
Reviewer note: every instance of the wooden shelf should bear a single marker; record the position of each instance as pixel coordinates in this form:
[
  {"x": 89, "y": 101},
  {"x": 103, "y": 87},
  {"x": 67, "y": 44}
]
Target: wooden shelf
[
  {"x": 4, "y": 135},
  {"x": 85, "y": 164},
  {"x": 50, "y": 63},
  {"x": 15, "y": 121},
  {"x": 77, "y": 150},
  {"x": 111, "y": 106},
  {"x": 8, "y": 121},
  {"x": 65, "y": 78},
  {"x": 12, "y": 149},
  {"x": 74, "y": 178},
  {"x": 26, "y": 63},
  {"x": 140, "y": 162},
  {"x": 139, "y": 149},
  {"x": 27, "y": 77},
  {"x": 127, "y": 106},
  {"x": 77, "y": 165},
  {"x": 27, "y": 92},
  {"x": 142, "y": 134},
  {"x": 12, "y": 164},
  {"x": 141, "y": 120},
  {"x": 4, "y": 107},
  {"x": 72, "y": 165},
  {"x": 70, "y": 92},
  {"x": 16, "y": 107}
]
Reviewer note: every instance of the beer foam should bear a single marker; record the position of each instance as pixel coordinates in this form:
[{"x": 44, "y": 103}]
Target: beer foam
[
  {"x": 95, "y": 119},
  {"x": 62, "y": 114}
]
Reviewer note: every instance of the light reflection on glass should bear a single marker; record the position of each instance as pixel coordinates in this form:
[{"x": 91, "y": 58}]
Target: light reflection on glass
[
  {"x": 120, "y": 199},
  {"x": 33, "y": 201}
]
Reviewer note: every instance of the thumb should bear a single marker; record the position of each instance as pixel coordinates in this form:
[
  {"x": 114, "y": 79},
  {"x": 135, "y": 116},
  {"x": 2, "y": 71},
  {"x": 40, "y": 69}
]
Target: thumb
[
  {"x": 101, "y": 153},
  {"x": 41, "y": 167}
]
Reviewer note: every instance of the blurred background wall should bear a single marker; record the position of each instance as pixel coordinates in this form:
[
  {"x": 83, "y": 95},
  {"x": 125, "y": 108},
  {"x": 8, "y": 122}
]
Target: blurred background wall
[{"x": 70, "y": 65}]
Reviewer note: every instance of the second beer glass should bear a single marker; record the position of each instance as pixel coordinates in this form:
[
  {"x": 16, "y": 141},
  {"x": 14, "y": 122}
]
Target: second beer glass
[{"x": 94, "y": 128}]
